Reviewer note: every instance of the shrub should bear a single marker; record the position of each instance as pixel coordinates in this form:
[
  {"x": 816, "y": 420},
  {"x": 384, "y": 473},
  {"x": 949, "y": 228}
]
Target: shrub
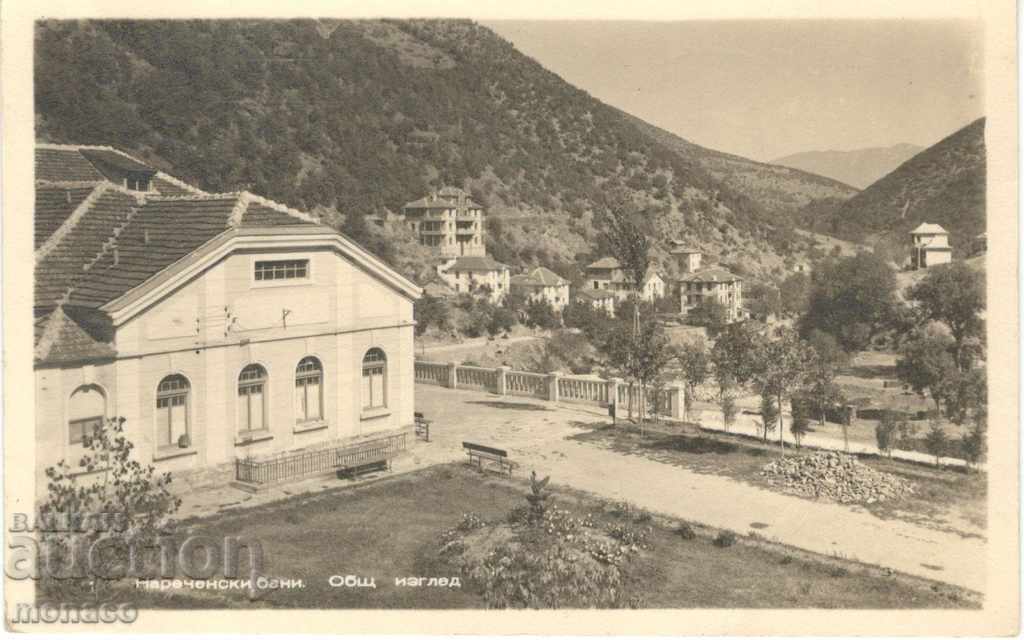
[
  {"x": 537, "y": 498},
  {"x": 629, "y": 535},
  {"x": 686, "y": 532},
  {"x": 725, "y": 538},
  {"x": 935, "y": 441}
]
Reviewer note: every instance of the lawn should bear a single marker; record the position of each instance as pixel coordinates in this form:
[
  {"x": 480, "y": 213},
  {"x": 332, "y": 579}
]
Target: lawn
[
  {"x": 393, "y": 527},
  {"x": 947, "y": 499}
]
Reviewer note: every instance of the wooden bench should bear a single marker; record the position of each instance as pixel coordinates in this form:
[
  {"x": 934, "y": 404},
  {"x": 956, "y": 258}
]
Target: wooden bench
[
  {"x": 481, "y": 453},
  {"x": 352, "y": 472},
  {"x": 422, "y": 426}
]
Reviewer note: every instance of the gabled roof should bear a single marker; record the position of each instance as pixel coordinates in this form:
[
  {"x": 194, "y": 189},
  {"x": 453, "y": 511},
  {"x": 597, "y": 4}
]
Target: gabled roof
[
  {"x": 64, "y": 164},
  {"x": 115, "y": 159},
  {"x": 476, "y": 263},
  {"x": 54, "y": 205},
  {"x": 714, "y": 274},
  {"x": 539, "y": 277},
  {"x": 926, "y": 227}
]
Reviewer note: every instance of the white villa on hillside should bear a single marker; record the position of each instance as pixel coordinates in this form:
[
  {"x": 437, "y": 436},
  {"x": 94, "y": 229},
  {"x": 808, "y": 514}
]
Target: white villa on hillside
[
  {"x": 476, "y": 275},
  {"x": 543, "y": 284},
  {"x": 716, "y": 283},
  {"x": 598, "y": 299},
  {"x": 222, "y": 327},
  {"x": 607, "y": 274},
  {"x": 931, "y": 246}
]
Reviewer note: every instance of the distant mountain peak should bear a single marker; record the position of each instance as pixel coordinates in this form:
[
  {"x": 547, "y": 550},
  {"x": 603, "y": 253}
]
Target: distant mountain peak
[{"x": 857, "y": 167}]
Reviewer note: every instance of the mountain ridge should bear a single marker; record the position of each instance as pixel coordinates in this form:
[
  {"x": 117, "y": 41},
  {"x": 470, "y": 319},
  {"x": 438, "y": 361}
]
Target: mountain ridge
[{"x": 857, "y": 167}]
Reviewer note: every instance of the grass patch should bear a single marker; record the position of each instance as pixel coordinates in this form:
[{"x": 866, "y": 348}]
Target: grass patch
[{"x": 395, "y": 528}]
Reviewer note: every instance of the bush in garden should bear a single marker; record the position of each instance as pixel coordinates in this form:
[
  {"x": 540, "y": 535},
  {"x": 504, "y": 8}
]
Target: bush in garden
[
  {"x": 885, "y": 431},
  {"x": 686, "y": 532},
  {"x": 537, "y": 498}
]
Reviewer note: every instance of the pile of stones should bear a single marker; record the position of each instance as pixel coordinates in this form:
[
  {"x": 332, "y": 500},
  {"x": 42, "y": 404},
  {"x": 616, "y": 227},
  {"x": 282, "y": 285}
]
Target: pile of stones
[{"x": 835, "y": 476}]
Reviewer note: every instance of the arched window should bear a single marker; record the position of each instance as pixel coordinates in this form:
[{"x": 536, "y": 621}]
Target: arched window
[
  {"x": 87, "y": 410},
  {"x": 309, "y": 378},
  {"x": 172, "y": 395},
  {"x": 252, "y": 398},
  {"x": 375, "y": 376}
]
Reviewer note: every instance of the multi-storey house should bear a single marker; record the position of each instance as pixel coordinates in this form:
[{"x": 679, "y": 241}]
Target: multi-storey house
[
  {"x": 714, "y": 283},
  {"x": 449, "y": 221}
]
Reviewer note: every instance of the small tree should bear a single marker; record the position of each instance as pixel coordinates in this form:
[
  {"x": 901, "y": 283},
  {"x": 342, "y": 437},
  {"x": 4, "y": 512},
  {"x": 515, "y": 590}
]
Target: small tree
[
  {"x": 430, "y": 311},
  {"x": 537, "y": 498},
  {"x": 539, "y": 314},
  {"x": 769, "y": 415},
  {"x": 885, "y": 432},
  {"x": 974, "y": 442},
  {"x": 711, "y": 314},
  {"x": 782, "y": 366},
  {"x": 695, "y": 362},
  {"x": 107, "y": 480},
  {"x": 935, "y": 441},
  {"x": 927, "y": 365},
  {"x": 800, "y": 424}
]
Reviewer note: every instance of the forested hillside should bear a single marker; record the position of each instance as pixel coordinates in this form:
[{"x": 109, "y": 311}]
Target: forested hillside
[
  {"x": 782, "y": 191},
  {"x": 347, "y": 118},
  {"x": 944, "y": 184}
]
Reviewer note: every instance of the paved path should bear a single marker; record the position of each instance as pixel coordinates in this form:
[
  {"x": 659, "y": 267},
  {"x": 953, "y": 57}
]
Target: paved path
[
  {"x": 439, "y": 349},
  {"x": 535, "y": 433}
]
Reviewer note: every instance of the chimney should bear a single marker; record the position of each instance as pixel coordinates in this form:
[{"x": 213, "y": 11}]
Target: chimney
[
  {"x": 117, "y": 253},
  {"x": 67, "y": 196},
  {"x": 145, "y": 236}
]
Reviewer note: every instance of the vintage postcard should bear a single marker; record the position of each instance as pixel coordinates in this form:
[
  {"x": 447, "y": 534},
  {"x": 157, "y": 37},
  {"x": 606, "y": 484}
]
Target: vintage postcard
[{"x": 594, "y": 319}]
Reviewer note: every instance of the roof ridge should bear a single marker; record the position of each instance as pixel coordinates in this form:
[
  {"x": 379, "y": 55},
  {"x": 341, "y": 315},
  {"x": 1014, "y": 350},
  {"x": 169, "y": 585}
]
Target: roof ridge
[
  {"x": 241, "y": 205},
  {"x": 277, "y": 206},
  {"x": 178, "y": 183},
  {"x": 49, "y": 336},
  {"x": 69, "y": 184},
  {"x": 71, "y": 221},
  {"x": 108, "y": 244}
]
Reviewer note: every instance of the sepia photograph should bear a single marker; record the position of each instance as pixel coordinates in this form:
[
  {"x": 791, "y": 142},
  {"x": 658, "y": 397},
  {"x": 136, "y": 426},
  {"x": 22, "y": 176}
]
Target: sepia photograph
[{"x": 469, "y": 313}]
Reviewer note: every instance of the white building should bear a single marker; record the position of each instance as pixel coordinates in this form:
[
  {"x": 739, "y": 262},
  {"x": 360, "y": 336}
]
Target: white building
[
  {"x": 221, "y": 327},
  {"x": 543, "y": 284},
  {"x": 931, "y": 246},
  {"x": 477, "y": 275}
]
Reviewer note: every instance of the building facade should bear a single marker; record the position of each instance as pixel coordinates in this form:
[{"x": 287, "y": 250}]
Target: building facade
[
  {"x": 448, "y": 221},
  {"x": 607, "y": 274},
  {"x": 688, "y": 259},
  {"x": 219, "y": 326},
  {"x": 717, "y": 284},
  {"x": 930, "y": 246},
  {"x": 543, "y": 284},
  {"x": 478, "y": 275}
]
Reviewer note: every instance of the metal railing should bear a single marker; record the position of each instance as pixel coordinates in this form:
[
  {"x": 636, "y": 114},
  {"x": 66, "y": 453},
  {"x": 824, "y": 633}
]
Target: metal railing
[{"x": 288, "y": 466}]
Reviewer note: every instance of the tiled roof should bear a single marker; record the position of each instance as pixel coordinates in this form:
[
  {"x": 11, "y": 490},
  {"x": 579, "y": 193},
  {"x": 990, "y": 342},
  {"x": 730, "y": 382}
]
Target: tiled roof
[
  {"x": 605, "y": 263},
  {"x": 53, "y": 207},
  {"x": 539, "y": 277},
  {"x": 64, "y": 164},
  {"x": 476, "y": 263},
  {"x": 926, "y": 227},
  {"x": 65, "y": 262},
  {"x": 595, "y": 294},
  {"x": 116, "y": 159},
  {"x": 714, "y": 274},
  {"x": 84, "y": 223},
  {"x": 683, "y": 250},
  {"x": 69, "y": 336},
  {"x": 445, "y": 198}
]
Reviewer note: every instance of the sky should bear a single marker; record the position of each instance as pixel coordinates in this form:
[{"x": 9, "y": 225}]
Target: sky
[{"x": 766, "y": 89}]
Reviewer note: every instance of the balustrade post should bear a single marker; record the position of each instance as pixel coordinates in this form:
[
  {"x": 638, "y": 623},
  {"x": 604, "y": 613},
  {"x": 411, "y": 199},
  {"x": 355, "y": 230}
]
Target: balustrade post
[
  {"x": 613, "y": 395},
  {"x": 676, "y": 401},
  {"x": 553, "y": 386},
  {"x": 453, "y": 375},
  {"x": 502, "y": 378}
]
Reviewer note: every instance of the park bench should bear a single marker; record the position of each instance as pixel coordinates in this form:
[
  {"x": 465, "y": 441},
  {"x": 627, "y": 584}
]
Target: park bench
[
  {"x": 422, "y": 426},
  {"x": 480, "y": 453}
]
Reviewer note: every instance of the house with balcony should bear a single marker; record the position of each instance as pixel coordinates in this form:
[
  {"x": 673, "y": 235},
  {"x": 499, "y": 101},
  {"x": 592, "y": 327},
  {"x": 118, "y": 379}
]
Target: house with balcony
[
  {"x": 930, "y": 246},
  {"x": 543, "y": 284},
  {"x": 449, "y": 221},
  {"x": 714, "y": 283},
  {"x": 687, "y": 258},
  {"x": 477, "y": 275},
  {"x": 221, "y": 326}
]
